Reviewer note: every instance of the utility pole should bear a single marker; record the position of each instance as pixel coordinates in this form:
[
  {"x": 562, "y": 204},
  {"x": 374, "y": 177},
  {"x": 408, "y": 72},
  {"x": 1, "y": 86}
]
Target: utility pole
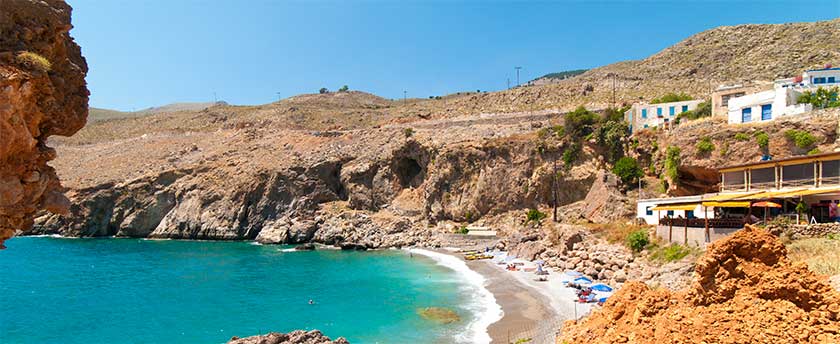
[
  {"x": 517, "y": 75},
  {"x": 613, "y": 103},
  {"x": 554, "y": 188},
  {"x": 278, "y": 96},
  {"x": 508, "y": 83},
  {"x": 405, "y": 97},
  {"x": 215, "y": 98}
]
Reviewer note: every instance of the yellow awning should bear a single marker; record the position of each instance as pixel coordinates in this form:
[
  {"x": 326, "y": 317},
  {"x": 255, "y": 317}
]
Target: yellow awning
[
  {"x": 730, "y": 204},
  {"x": 691, "y": 206},
  {"x": 817, "y": 191},
  {"x": 728, "y": 196}
]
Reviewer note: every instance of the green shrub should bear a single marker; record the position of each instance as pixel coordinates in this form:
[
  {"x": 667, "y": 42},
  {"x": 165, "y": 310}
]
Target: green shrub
[
  {"x": 821, "y": 98},
  {"x": 671, "y": 97},
  {"x": 628, "y": 170},
  {"x": 579, "y": 123},
  {"x": 672, "y": 163},
  {"x": 742, "y": 137},
  {"x": 344, "y": 88},
  {"x": 468, "y": 216},
  {"x": 323, "y": 90},
  {"x": 670, "y": 253},
  {"x": 762, "y": 139},
  {"x": 813, "y": 151},
  {"x": 559, "y": 130},
  {"x": 408, "y": 132},
  {"x": 703, "y": 109},
  {"x": 800, "y": 138},
  {"x": 611, "y": 136},
  {"x": 534, "y": 215},
  {"x": 705, "y": 145},
  {"x": 463, "y": 230},
  {"x": 34, "y": 61},
  {"x": 638, "y": 240},
  {"x": 570, "y": 155}
]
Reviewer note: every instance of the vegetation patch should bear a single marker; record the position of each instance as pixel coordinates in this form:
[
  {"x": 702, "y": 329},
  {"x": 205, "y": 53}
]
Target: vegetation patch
[
  {"x": 34, "y": 61},
  {"x": 628, "y": 170},
  {"x": 534, "y": 215},
  {"x": 821, "y": 254},
  {"x": 742, "y": 137},
  {"x": 762, "y": 139},
  {"x": 638, "y": 239},
  {"x": 814, "y": 151},
  {"x": 615, "y": 232},
  {"x": 724, "y": 149},
  {"x": 800, "y": 138},
  {"x": 703, "y": 109},
  {"x": 671, "y": 97},
  {"x": 672, "y": 163},
  {"x": 670, "y": 253},
  {"x": 705, "y": 145},
  {"x": 821, "y": 98},
  {"x": 570, "y": 154}
]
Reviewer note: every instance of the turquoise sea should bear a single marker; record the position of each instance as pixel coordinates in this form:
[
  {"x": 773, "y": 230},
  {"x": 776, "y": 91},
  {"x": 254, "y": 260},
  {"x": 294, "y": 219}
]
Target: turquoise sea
[{"x": 146, "y": 291}]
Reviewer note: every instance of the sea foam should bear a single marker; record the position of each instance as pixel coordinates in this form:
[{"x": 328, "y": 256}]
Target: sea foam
[{"x": 483, "y": 305}]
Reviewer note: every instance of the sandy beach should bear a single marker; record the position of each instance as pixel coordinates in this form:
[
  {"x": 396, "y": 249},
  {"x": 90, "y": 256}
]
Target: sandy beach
[{"x": 532, "y": 309}]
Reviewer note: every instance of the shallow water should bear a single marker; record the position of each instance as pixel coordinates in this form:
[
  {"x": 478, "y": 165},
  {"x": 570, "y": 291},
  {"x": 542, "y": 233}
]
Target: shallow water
[{"x": 146, "y": 291}]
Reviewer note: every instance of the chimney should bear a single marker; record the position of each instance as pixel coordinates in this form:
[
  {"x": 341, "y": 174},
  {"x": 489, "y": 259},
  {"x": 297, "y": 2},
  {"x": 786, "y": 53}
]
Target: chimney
[{"x": 827, "y": 65}]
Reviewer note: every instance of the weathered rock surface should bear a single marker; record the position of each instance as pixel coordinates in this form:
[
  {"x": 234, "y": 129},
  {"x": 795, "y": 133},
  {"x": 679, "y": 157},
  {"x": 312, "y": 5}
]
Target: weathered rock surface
[
  {"x": 294, "y": 337},
  {"x": 746, "y": 291},
  {"x": 42, "y": 93}
]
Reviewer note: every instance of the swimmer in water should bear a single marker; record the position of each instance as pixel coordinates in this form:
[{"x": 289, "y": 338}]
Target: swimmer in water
[{"x": 311, "y": 302}]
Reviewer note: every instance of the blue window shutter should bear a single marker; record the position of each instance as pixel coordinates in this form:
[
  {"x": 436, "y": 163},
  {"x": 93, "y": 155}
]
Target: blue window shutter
[
  {"x": 671, "y": 110},
  {"x": 767, "y": 112},
  {"x": 746, "y": 115},
  {"x": 644, "y": 113},
  {"x": 659, "y": 111},
  {"x": 831, "y": 80},
  {"x": 685, "y": 108}
]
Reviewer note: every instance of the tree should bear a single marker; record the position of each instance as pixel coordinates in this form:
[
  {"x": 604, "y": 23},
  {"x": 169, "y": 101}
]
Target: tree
[
  {"x": 344, "y": 88},
  {"x": 821, "y": 98},
  {"x": 579, "y": 123},
  {"x": 323, "y": 90},
  {"x": 628, "y": 170},
  {"x": 612, "y": 135}
]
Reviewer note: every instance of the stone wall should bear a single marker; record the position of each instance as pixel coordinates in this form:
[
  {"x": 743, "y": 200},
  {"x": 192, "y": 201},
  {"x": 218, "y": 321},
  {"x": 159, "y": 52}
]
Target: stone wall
[{"x": 805, "y": 231}]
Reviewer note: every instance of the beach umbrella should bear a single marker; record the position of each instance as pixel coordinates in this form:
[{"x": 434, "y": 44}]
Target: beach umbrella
[
  {"x": 573, "y": 273},
  {"x": 766, "y": 204},
  {"x": 582, "y": 280},
  {"x": 601, "y": 287}
]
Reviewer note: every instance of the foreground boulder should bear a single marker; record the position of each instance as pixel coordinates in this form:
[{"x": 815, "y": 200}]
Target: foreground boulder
[
  {"x": 42, "y": 93},
  {"x": 746, "y": 290},
  {"x": 294, "y": 337}
]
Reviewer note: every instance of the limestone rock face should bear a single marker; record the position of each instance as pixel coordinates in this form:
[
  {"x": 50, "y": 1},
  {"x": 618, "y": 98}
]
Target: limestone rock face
[{"x": 42, "y": 93}]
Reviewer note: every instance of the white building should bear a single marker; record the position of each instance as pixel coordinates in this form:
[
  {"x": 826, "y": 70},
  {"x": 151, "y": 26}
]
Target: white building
[
  {"x": 782, "y": 99},
  {"x": 645, "y": 115}
]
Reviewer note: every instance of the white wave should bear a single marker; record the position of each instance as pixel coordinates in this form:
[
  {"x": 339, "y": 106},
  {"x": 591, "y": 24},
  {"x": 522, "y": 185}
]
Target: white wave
[
  {"x": 49, "y": 236},
  {"x": 255, "y": 243},
  {"x": 484, "y": 305},
  {"x": 288, "y": 250}
]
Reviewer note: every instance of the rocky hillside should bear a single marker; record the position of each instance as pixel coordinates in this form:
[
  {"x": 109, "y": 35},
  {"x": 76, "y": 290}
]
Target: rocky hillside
[{"x": 43, "y": 93}]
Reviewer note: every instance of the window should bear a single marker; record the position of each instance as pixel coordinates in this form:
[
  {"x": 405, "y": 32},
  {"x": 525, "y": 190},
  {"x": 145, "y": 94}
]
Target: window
[
  {"x": 646, "y": 126},
  {"x": 819, "y": 80},
  {"x": 746, "y": 115},
  {"x": 766, "y": 112},
  {"x": 684, "y": 108},
  {"x": 648, "y": 211},
  {"x": 798, "y": 175},
  {"x": 644, "y": 113},
  {"x": 733, "y": 180},
  {"x": 659, "y": 112},
  {"x": 831, "y": 172},
  {"x": 670, "y": 213},
  {"x": 762, "y": 178},
  {"x": 831, "y": 80},
  {"x": 689, "y": 214},
  {"x": 671, "y": 111}
]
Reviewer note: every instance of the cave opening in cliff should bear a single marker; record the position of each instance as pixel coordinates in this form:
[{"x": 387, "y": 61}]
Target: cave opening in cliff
[
  {"x": 407, "y": 171},
  {"x": 335, "y": 183}
]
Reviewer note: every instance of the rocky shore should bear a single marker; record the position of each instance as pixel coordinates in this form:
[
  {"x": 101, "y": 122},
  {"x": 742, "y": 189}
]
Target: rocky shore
[{"x": 294, "y": 337}]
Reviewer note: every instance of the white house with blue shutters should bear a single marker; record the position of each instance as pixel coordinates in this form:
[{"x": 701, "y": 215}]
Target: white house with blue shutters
[
  {"x": 782, "y": 99},
  {"x": 644, "y": 115}
]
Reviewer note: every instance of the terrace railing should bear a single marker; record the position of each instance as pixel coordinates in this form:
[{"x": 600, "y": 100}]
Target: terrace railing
[
  {"x": 798, "y": 182},
  {"x": 701, "y": 223}
]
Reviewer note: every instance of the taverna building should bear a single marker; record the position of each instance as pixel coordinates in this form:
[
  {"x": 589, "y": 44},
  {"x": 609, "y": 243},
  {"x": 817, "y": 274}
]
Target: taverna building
[
  {"x": 645, "y": 115},
  {"x": 802, "y": 189}
]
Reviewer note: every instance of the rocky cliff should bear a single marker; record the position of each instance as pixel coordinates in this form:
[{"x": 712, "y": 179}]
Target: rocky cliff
[{"x": 42, "y": 93}]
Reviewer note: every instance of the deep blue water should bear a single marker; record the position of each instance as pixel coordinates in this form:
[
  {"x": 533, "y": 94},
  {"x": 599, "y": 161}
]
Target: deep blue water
[{"x": 144, "y": 291}]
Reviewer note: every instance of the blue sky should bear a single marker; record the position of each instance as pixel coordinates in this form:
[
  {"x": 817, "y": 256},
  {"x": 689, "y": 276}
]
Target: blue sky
[{"x": 148, "y": 53}]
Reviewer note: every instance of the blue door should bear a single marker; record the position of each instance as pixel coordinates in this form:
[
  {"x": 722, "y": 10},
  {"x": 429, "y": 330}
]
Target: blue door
[
  {"x": 766, "y": 112},
  {"x": 746, "y": 115},
  {"x": 659, "y": 112},
  {"x": 671, "y": 111}
]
